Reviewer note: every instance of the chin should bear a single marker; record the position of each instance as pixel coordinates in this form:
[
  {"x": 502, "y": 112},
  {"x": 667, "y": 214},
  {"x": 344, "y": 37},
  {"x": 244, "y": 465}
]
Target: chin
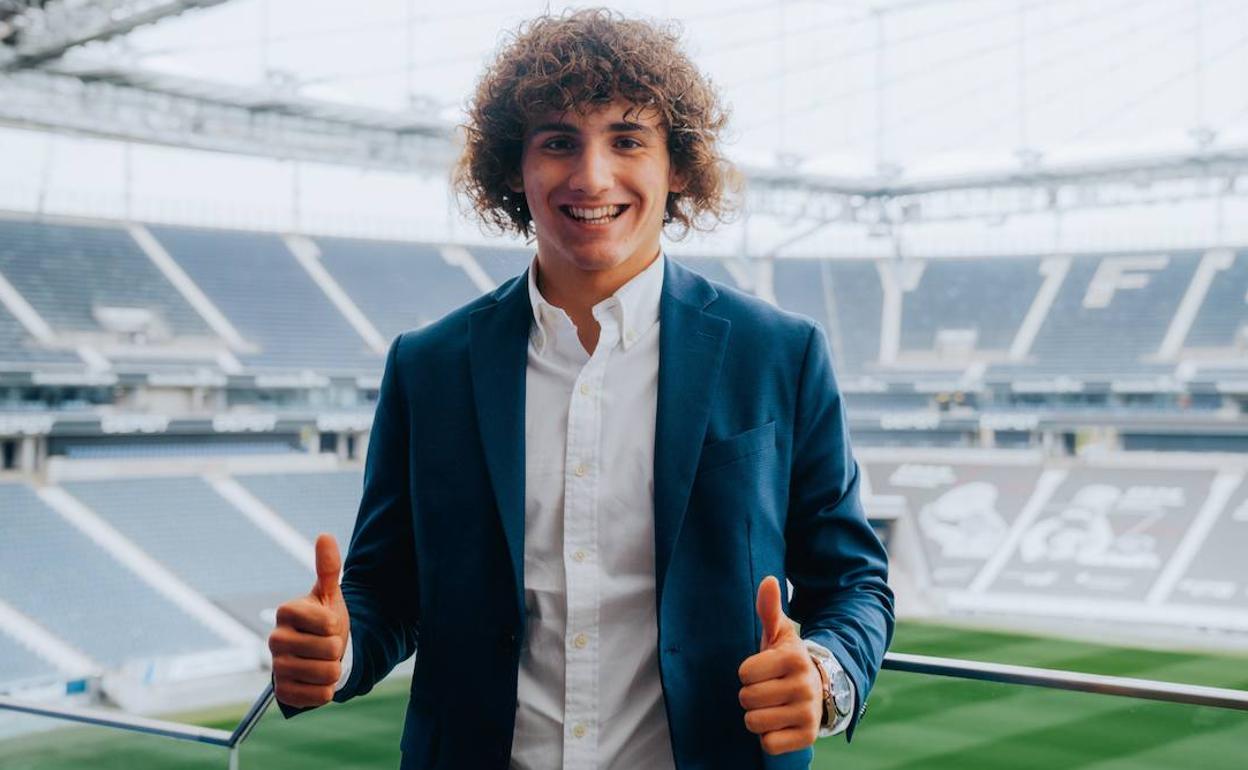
[
  {"x": 593, "y": 258},
  {"x": 597, "y": 263}
]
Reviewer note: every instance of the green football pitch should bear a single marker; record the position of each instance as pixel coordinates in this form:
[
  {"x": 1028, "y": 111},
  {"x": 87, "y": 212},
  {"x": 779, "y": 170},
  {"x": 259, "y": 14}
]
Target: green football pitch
[{"x": 914, "y": 722}]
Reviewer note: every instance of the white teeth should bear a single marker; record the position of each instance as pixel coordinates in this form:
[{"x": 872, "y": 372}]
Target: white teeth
[{"x": 596, "y": 215}]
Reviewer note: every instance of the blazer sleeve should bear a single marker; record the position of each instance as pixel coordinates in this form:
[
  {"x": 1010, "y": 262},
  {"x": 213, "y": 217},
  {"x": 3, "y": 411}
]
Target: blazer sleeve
[
  {"x": 834, "y": 559},
  {"x": 379, "y": 580}
]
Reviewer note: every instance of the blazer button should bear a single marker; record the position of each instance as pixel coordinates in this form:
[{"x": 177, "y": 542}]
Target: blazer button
[{"x": 507, "y": 640}]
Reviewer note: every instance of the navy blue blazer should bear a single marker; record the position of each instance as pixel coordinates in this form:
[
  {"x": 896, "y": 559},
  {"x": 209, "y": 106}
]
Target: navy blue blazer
[{"x": 753, "y": 476}]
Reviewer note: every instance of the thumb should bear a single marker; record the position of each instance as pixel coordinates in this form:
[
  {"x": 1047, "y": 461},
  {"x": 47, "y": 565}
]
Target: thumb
[
  {"x": 328, "y": 565},
  {"x": 776, "y": 626}
]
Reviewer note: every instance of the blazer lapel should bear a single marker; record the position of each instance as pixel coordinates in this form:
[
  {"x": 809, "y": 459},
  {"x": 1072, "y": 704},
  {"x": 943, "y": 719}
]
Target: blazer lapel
[
  {"x": 498, "y": 354},
  {"x": 691, "y": 351}
]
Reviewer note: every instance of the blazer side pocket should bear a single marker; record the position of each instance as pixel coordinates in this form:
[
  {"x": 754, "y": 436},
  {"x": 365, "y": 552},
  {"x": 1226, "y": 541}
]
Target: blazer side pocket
[{"x": 734, "y": 448}]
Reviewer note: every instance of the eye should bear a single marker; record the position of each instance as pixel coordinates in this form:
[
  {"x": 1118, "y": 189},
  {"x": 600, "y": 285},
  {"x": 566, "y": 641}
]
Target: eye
[
  {"x": 629, "y": 143},
  {"x": 557, "y": 143}
]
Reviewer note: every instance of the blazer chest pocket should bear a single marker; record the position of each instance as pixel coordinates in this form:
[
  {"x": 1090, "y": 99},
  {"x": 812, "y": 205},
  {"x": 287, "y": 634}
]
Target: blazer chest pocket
[{"x": 736, "y": 447}]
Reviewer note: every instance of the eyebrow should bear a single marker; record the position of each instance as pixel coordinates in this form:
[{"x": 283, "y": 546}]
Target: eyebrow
[{"x": 623, "y": 126}]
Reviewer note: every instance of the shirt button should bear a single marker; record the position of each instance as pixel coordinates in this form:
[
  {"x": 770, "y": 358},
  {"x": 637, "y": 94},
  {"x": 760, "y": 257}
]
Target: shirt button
[
  {"x": 580, "y": 641},
  {"x": 580, "y": 470},
  {"x": 579, "y": 731},
  {"x": 584, "y": 388},
  {"x": 578, "y": 555},
  {"x": 629, "y": 337}
]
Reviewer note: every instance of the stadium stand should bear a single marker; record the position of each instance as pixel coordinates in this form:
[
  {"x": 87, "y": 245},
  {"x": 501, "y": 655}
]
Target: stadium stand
[
  {"x": 196, "y": 534},
  {"x": 800, "y": 286},
  {"x": 1223, "y": 316},
  {"x": 1109, "y": 315},
  {"x": 102, "y": 448},
  {"x": 255, "y": 280},
  {"x": 1141, "y": 542},
  {"x": 68, "y": 272},
  {"x": 1104, "y": 532},
  {"x": 502, "y": 263},
  {"x": 962, "y": 512},
  {"x": 312, "y": 502},
  {"x": 61, "y": 579},
  {"x": 18, "y": 350},
  {"x": 863, "y": 401},
  {"x": 856, "y": 296},
  {"x": 711, "y": 268},
  {"x": 1105, "y": 322},
  {"x": 1179, "y": 442},
  {"x": 1215, "y": 576},
  {"x": 877, "y": 437},
  {"x": 18, "y": 664},
  {"x": 399, "y": 286},
  {"x": 159, "y": 365},
  {"x": 966, "y": 294}
]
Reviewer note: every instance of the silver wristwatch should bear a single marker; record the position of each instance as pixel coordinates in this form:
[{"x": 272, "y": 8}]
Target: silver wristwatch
[{"x": 838, "y": 693}]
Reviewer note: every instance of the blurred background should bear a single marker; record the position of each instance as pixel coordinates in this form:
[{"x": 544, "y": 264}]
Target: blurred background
[{"x": 1023, "y": 223}]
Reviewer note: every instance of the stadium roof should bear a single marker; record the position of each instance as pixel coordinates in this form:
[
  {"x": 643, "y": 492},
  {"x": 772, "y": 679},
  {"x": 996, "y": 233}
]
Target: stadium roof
[
  {"x": 903, "y": 84},
  {"x": 833, "y": 101}
]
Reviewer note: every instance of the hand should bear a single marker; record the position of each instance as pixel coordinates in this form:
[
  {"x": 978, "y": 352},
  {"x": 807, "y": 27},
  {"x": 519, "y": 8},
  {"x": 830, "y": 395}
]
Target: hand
[
  {"x": 311, "y": 636},
  {"x": 783, "y": 692}
]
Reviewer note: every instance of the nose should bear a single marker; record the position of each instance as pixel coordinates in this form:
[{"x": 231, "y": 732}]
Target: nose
[{"x": 593, "y": 173}]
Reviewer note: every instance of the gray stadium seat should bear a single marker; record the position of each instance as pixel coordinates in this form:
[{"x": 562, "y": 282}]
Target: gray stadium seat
[
  {"x": 57, "y": 576},
  {"x": 398, "y": 286},
  {"x": 272, "y": 301},
  {"x": 311, "y": 502},
  {"x": 20, "y": 665},
  {"x": 197, "y": 534},
  {"x": 65, "y": 271}
]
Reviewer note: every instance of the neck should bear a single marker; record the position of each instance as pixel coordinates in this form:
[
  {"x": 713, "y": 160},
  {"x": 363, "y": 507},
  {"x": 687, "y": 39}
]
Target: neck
[{"x": 577, "y": 291}]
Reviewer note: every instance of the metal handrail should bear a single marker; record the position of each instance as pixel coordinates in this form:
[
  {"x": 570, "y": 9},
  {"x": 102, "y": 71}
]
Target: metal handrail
[
  {"x": 102, "y": 718},
  {"x": 1146, "y": 689}
]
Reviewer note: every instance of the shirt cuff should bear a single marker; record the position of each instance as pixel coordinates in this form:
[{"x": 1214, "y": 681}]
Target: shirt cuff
[
  {"x": 834, "y": 725},
  {"x": 346, "y": 666}
]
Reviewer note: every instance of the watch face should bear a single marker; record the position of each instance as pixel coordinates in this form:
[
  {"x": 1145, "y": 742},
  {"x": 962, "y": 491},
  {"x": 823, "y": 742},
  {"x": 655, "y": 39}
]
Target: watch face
[{"x": 841, "y": 691}]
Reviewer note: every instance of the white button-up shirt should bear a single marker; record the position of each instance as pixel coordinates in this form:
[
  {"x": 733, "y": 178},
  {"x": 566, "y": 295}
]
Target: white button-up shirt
[{"x": 589, "y": 694}]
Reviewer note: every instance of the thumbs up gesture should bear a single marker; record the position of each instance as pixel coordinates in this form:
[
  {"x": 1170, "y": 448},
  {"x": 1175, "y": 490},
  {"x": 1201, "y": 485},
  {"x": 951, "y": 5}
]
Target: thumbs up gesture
[
  {"x": 783, "y": 689},
  {"x": 311, "y": 636}
]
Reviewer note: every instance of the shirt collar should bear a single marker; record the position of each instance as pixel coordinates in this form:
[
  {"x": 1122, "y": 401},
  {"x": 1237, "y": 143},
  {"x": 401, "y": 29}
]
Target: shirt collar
[{"x": 635, "y": 305}]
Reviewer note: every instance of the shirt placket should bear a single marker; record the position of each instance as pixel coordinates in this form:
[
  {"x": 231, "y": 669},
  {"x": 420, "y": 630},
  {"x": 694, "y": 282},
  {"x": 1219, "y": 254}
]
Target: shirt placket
[{"x": 580, "y": 552}]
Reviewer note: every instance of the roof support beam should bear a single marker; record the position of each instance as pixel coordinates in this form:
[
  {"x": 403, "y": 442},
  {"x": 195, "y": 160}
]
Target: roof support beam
[{"x": 46, "y": 34}]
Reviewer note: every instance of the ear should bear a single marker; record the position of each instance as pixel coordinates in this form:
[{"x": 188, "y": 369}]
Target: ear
[
  {"x": 676, "y": 181},
  {"x": 515, "y": 182}
]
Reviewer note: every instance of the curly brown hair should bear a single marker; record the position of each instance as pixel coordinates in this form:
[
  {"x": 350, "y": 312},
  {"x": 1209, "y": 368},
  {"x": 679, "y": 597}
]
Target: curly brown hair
[{"x": 577, "y": 61}]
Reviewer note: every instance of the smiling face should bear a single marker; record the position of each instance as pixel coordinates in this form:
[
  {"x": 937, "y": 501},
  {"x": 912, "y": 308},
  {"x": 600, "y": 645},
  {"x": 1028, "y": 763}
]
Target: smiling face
[{"x": 596, "y": 186}]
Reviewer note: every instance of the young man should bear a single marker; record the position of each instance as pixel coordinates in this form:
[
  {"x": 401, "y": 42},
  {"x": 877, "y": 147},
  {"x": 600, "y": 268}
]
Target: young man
[{"x": 584, "y": 491}]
